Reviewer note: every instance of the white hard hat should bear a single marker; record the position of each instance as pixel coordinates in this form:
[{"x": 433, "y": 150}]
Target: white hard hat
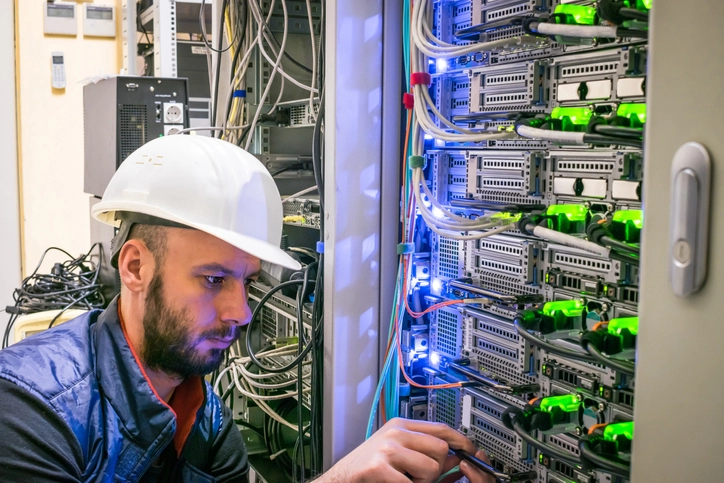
[{"x": 203, "y": 183}]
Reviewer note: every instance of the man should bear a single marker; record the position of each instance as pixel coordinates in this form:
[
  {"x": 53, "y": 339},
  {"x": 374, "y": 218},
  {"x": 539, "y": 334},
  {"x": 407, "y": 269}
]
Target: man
[{"x": 118, "y": 395}]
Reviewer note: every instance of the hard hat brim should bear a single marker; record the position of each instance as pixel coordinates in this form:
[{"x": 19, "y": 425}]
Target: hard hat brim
[{"x": 105, "y": 213}]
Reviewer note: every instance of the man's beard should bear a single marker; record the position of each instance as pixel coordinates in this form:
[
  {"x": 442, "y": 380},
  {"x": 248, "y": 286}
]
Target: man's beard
[{"x": 169, "y": 344}]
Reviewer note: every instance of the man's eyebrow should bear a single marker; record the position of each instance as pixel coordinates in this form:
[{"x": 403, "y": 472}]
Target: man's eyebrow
[{"x": 219, "y": 268}]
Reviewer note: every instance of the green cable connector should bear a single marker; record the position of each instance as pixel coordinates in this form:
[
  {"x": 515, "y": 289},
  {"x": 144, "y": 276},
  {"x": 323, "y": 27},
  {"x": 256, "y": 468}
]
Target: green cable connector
[
  {"x": 636, "y": 113},
  {"x": 567, "y": 404},
  {"x": 626, "y": 225},
  {"x": 572, "y": 118},
  {"x": 506, "y": 218},
  {"x": 569, "y": 308},
  {"x": 576, "y": 14},
  {"x": 567, "y": 218},
  {"x": 571, "y": 212},
  {"x": 613, "y": 432},
  {"x": 617, "y": 326}
]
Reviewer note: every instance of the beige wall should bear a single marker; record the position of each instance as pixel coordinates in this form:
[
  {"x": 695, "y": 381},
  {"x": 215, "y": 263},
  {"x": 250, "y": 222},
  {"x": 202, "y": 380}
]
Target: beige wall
[{"x": 55, "y": 207}]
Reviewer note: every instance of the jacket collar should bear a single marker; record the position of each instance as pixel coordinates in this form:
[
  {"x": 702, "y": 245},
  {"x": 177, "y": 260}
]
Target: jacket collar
[{"x": 143, "y": 414}]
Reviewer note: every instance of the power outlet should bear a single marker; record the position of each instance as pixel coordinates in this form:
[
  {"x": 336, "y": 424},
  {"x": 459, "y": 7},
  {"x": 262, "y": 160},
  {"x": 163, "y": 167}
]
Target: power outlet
[
  {"x": 170, "y": 130},
  {"x": 173, "y": 113}
]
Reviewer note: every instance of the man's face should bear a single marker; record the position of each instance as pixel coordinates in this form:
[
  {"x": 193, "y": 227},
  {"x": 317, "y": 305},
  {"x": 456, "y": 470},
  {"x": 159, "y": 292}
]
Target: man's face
[{"x": 196, "y": 303}]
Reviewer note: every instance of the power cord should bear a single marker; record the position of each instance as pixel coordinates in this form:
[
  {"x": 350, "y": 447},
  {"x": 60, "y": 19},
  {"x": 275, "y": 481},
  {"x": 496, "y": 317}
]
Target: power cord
[{"x": 71, "y": 284}]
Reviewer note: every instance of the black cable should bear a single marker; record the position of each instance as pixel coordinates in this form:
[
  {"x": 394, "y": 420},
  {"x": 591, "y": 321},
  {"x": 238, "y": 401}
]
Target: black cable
[
  {"x": 202, "y": 21},
  {"x": 279, "y": 45},
  {"x": 625, "y": 367},
  {"x": 623, "y": 257},
  {"x": 600, "y": 463},
  {"x": 547, "y": 449},
  {"x": 619, "y": 245},
  {"x": 301, "y": 294},
  {"x": 71, "y": 284},
  {"x": 631, "y": 33},
  {"x": 618, "y": 131},
  {"x": 255, "y": 315},
  {"x": 287, "y": 168},
  {"x": 552, "y": 348},
  {"x": 608, "y": 140},
  {"x": 317, "y": 151},
  {"x": 634, "y": 14}
]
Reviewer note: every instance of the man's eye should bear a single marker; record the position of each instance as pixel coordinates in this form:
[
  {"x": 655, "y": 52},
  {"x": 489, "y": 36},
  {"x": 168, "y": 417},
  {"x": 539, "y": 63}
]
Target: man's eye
[
  {"x": 249, "y": 281},
  {"x": 214, "y": 280}
]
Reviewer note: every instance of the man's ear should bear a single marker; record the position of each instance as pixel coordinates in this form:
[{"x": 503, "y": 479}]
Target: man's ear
[{"x": 136, "y": 265}]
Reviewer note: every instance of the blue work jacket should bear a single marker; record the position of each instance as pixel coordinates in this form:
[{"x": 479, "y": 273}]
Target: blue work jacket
[{"x": 85, "y": 371}]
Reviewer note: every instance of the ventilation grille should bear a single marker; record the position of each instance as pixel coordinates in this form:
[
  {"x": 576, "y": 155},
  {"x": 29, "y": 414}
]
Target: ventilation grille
[
  {"x": 134, "y": 128},
  {"x": 506, "y": 33},
  {"x": 508, "y": 334},
  {"x": 509, "y": 371},
  {"x": 586, "y": 166},
  {"x": 499, "y": 451},
  {"x": 564, "y": 445},
  {"x": 507, "y": 197},
  {"x": 583, "y": 262},
  {"x": 487, "y": 264},
  {"x": 518, "y": 144},
  {"x": 501, "y": 183},
  {"x": 504, "y": 79},
  {"x": 497, "y": 99},
  {"x": 501, "y": 164},
  {"x": 488, "y": 346},
  {"x": 447, "y": 339},
  {"x": 449, "y": 257},
  {"x": 605, "y": 68},
  {"x": 502, "y": 283},
  {"x": 446, "y": 407},
  {"x": 268, "y": 323},
  {"x": 506, "y": 12},
  {"x": 491, "y": 246}
]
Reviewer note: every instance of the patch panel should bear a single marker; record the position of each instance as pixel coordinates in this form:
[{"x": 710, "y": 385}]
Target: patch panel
[
  {"x": 521, "y": 87},
  {"x": 592, "y": 175},
  {"x": 613, "y": 75}
]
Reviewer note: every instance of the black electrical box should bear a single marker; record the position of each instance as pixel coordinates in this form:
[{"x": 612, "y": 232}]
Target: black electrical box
[{"x": 120, "y": 114}]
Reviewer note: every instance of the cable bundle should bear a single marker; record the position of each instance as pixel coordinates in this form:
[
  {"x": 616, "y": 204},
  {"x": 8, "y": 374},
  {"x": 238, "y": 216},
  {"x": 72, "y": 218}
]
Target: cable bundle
[{"x": 70, "y": 285}]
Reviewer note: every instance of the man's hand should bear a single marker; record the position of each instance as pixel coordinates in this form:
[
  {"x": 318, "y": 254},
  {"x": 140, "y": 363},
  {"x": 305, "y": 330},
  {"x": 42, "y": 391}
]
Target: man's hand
[{"x": 401, "y": 447}]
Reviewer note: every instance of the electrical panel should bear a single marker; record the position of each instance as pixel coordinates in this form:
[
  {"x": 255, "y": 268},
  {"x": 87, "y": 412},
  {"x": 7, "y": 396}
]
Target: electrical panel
[
  {"x": 121, "y": 114},
  {"x": 524, "y": 340}
]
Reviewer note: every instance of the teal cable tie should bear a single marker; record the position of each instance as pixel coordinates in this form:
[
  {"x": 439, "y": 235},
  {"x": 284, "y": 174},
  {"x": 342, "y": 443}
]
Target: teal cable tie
[{"x": 405, "y": 248}]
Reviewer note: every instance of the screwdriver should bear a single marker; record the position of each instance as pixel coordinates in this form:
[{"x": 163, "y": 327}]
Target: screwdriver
[{"x": 486, "y": 468}]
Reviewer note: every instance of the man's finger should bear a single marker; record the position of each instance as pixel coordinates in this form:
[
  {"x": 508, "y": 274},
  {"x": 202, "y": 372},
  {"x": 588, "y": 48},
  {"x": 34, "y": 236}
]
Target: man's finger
[
  {"x": 454, "y": 439},
  {"x": 419, "y": 466},
  {"x": 475, "y": 475}
]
